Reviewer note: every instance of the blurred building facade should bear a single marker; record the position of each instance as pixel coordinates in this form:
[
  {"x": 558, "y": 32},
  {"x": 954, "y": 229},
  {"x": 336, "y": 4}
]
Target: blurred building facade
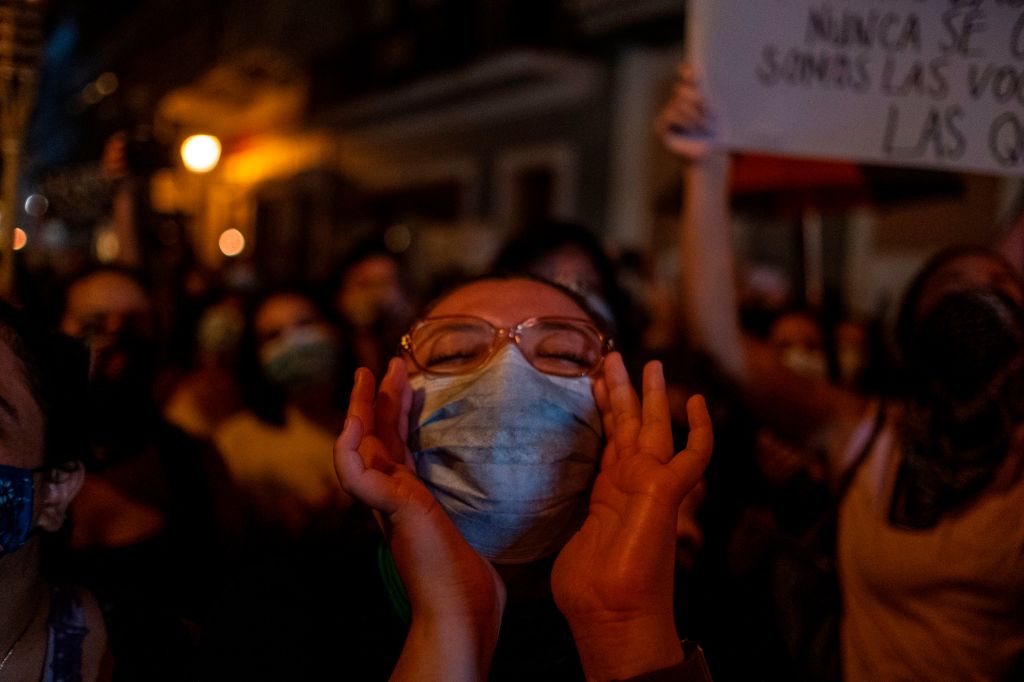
[{"x": 442, "y": 125}]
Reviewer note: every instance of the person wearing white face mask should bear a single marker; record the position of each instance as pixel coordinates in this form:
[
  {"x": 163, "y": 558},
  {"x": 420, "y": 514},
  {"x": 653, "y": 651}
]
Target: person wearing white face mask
[
  {"x": 275, "y": 450},
  {"x": 511, "y": 463}
]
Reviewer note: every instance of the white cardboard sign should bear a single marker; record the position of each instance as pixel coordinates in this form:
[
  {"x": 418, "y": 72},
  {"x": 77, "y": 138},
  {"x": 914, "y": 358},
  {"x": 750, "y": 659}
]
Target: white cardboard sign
[{"x": 929, "y": 83}]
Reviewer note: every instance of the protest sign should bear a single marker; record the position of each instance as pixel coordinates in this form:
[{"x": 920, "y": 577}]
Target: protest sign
[{"x": 928, "y": 83}]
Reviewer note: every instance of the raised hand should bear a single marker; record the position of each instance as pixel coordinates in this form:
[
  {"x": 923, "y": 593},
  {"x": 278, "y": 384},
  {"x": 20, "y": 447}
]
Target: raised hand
[
  {"x": 456, "y": 596},
  {"x": 685, "y": 124},
  {"x": 613, "y": 580}
]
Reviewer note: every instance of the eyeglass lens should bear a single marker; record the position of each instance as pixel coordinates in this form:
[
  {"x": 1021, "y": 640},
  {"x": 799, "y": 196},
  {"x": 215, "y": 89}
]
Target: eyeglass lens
[{"x": 555, "y": 347}]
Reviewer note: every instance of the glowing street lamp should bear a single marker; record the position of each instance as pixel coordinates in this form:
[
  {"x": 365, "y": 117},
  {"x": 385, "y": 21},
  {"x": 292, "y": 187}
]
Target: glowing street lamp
[{"x": 200, "y": 153}]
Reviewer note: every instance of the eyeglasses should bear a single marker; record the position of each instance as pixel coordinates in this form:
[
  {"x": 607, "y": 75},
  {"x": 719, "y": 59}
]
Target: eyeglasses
[{"x": 561, "y": 346}]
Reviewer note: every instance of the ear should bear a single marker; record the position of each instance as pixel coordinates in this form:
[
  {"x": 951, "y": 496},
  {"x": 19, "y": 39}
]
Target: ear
[{"x": 58, "y": 488}]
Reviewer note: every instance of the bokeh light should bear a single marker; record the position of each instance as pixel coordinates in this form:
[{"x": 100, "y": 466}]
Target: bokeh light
[
  {"x": 231, "y": 242},
  {"x": 20, "y": 239},
  {"x": 108, "y": 246},
  {"x": 36, "y": 205},
  {"x": 200, "y": 153}
]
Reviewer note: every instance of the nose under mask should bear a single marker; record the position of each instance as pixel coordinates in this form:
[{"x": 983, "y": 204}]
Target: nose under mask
[{"x": 509, "y": 452}]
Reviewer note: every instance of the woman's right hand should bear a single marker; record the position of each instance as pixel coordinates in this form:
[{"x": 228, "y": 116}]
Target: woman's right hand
[
  {"x": 685, "y": 124},
  {"x": 456, "y": 596}
]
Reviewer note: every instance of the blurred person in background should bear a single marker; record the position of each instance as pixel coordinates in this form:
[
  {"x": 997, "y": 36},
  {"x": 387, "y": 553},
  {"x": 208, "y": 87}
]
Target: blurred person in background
[
  {"x": 293, "y": 380},
  {"x": 208, "y": 394},
  {"x": 929, "y": 486},
  {"x": 372, "y": 303},
  {"x": 279, "y": 614},
  {"x": 147, "y": 523},
  {"x": 50, "y": 630}
]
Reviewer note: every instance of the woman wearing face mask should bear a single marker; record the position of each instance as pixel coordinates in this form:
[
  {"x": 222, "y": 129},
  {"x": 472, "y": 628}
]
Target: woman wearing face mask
[
  {"x": 48, "y": 631},
  {"x": 510, "y": 462},
  {"x": 930, "y": 545},
  {"x": 291, "y": 382}
]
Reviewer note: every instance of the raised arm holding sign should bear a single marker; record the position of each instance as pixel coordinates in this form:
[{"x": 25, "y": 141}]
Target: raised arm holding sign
[{"x": 930, "y": 545}]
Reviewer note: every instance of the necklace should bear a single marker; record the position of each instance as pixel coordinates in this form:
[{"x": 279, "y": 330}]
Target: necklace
[{"x": 21, "y": 635}]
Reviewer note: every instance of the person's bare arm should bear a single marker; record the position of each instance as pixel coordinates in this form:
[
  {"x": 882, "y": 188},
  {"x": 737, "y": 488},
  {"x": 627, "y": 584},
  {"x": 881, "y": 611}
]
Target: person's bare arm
[{"x": 810, "y": 411}]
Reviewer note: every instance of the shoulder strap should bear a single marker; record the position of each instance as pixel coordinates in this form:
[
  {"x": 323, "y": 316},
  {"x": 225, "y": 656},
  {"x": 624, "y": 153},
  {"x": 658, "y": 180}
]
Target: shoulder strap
[
  {"x": 65, "y": 638},
  {"x": 847, "y": 478}
]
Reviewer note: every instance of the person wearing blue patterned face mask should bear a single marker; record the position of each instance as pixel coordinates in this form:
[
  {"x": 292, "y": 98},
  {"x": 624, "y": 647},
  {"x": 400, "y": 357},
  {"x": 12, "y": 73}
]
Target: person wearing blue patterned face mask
[
  {"x": 509, "y": 460},
  {"x": 47, "y": 631},
  {"x": 504, "y": 428}
]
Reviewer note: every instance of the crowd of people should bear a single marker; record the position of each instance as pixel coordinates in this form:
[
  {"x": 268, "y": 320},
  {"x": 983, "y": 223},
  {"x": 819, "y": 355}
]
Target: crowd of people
[{"x": 504, "y": 480}]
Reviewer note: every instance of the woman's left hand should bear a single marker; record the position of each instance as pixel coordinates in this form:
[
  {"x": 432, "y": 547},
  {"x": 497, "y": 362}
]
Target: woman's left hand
[{"x": 613, "y": 580}]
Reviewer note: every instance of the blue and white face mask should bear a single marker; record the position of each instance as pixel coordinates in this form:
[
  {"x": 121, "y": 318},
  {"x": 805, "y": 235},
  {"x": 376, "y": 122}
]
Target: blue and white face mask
[
  {"x": 509, "y": 452},
  {"x": 16, "y": 493}
]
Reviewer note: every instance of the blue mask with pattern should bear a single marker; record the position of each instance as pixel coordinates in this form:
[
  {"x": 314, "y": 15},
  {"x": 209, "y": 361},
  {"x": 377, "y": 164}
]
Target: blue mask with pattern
[
  {"x": 509, "y": 452},
  {"x": 16, "y": 490}
]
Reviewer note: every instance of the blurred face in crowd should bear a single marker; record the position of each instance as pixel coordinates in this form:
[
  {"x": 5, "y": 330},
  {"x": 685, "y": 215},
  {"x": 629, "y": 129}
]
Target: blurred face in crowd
[
  {"x": 968, "y": 272},
  {"x": 284, "y": 313},
  {"x": 297, "y": 346},
  {"x": 800, "y": 344},
  {"x": 112, "y": 314},
  {"x": 369, "y": 290}
]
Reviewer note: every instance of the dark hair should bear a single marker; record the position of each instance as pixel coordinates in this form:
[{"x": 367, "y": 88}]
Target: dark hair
[
  {"x": 262, "y": 398},
  {"x": 56, "y": 371},
  {"x": 526, "y": 249},
  {"x": 574, "y": 296},
  {"x": 906, "y": 320}
]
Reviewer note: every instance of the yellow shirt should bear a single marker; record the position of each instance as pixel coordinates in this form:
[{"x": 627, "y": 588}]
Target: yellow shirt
[{"x": 295, "y": 458}]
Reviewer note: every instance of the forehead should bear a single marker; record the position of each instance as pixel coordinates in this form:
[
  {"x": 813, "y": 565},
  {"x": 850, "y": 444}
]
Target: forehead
[
  {"x": 284, "y": 310},
  {"x": 21, "y": 421},
  {"x": 372, "y": 270},
  {"x": 106, "y": 292},
  {"x": 973, "y": 271},
  {"x": 508, "y": 302}
]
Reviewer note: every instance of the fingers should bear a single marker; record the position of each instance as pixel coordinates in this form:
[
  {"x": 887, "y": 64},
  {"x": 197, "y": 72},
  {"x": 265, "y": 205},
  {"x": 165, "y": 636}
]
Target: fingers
[
  {"x": 388, "y": 410},
  {"x": 625, "y": 406},
  {"x": 360, "y": 403},
  {"x": 367, "y": 484},
  {"x": 655, "y": 436},
  {"x": 689, "y": 464}
]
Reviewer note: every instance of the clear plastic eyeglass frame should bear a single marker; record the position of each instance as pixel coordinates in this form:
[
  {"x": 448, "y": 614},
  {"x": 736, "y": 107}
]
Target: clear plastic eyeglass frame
[{"x": 503, "y": 335}]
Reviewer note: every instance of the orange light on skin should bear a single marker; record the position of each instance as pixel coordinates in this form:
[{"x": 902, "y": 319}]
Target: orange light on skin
[
  {"x": 200, "y": 153},
  {"x": 231, "y": 242},
  {"x": 20, "y": 239}
]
